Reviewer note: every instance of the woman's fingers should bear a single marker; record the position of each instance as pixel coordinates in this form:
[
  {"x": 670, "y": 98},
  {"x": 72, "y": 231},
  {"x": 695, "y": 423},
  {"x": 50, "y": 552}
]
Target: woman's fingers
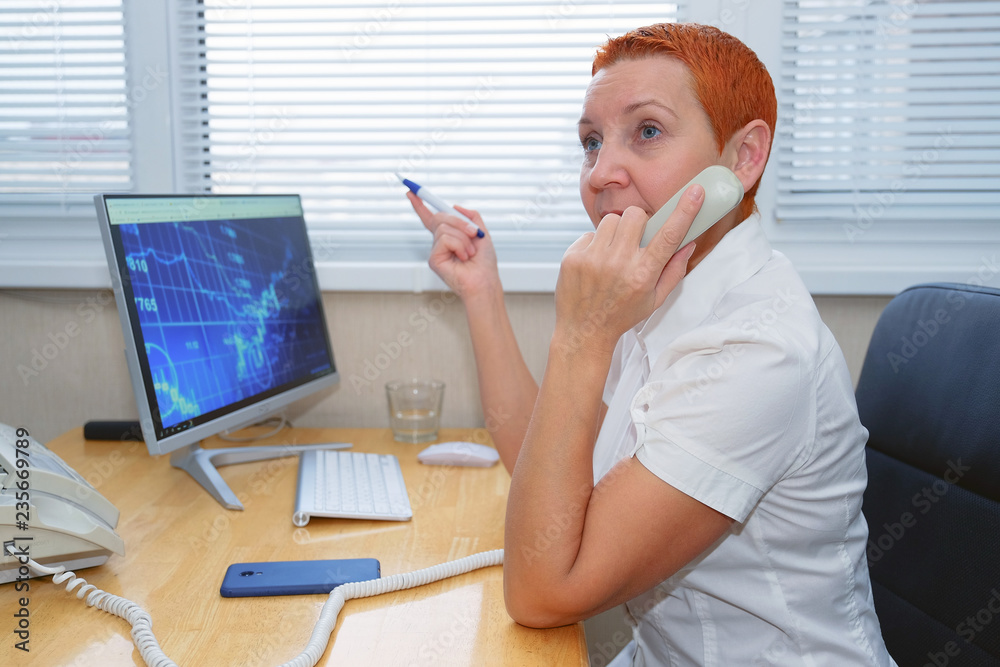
[
  {"x": 473, "y": 215},
  {"x": 432, "y": 220},
  {"x": 425, "y": 214},
  {"x": 454, "y": 240},
  {"x": 667, "y": 240}
]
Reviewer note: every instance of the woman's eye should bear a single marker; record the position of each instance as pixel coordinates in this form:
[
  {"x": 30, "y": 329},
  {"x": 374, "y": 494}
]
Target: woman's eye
[
  {"x": 591, "y": 144},
  {"x": 649, "y": 132}
]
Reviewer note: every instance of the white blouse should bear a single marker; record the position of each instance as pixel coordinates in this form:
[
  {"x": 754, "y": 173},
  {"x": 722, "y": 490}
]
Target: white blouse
[{"x": 735, "y": 393}]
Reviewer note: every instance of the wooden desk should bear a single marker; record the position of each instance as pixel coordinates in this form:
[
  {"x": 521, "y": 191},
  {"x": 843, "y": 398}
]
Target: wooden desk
[{"x": 179, "y": 541}]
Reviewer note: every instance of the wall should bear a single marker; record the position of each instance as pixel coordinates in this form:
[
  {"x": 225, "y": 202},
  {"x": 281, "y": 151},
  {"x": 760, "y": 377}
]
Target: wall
[
  {"x": 61, "y": 360},
  {"x": 61, "y": 364}
]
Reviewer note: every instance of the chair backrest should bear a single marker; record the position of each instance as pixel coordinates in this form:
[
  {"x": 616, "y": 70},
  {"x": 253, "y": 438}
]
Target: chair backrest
[{"x": 929, "y": 394}]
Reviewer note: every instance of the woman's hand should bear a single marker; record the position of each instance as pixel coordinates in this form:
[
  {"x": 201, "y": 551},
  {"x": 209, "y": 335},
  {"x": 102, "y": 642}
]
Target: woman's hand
[
  {"x": 467, "y": 264},
  {"x": 607, "y": 284}
]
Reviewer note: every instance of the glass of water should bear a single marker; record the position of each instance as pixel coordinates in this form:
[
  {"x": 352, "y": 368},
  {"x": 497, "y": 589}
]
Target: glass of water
[{"x": 415, "y": 409}]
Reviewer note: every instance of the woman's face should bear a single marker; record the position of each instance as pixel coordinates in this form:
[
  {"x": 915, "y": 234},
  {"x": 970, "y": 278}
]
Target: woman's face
[{"x": 644, "y": 136}]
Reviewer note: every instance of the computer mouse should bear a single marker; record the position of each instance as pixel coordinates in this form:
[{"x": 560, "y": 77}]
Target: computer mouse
[{"x": 459, "y": 453}]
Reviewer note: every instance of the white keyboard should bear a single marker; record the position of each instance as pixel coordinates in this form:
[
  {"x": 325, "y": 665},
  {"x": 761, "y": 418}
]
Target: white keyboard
[{"x": 350, "y": 485}]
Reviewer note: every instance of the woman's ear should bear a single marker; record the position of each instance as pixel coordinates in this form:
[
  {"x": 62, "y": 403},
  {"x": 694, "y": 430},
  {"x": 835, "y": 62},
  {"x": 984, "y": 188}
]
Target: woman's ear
[{"x": 752, "y": 145}]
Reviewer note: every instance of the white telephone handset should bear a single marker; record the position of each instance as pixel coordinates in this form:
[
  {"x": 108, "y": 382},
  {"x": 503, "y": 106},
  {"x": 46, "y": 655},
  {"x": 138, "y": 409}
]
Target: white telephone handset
[
  {"x": 49, "y": 508},
  {"x": 723, "y": 191}
]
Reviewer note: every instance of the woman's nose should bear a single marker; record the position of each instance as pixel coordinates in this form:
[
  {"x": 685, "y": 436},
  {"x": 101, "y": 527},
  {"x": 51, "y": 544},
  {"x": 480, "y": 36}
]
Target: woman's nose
[{"x": 610, "y": 169}]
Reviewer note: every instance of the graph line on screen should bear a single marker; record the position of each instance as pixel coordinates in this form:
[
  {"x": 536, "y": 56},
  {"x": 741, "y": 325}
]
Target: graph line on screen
[{"x": 217, "y": 306}]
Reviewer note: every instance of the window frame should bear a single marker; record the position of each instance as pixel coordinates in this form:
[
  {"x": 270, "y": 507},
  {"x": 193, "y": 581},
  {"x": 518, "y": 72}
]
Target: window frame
[
  {"x": 883, "y": 260},
  {"x": 865, "y": 257}
]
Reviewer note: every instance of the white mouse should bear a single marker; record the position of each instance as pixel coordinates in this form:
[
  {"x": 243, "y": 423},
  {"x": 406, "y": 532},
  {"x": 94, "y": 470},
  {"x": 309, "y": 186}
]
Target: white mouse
[{"x": 459, "y": 453}]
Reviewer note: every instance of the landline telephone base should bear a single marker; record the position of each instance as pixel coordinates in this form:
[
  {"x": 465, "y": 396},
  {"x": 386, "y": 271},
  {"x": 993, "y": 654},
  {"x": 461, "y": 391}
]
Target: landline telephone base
[{"x": 49, "y": 509}]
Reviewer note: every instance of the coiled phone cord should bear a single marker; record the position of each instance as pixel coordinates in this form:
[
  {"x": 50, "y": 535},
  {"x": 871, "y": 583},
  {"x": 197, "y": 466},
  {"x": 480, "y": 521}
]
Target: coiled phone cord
[
  {"x": 142, "y": 624},
  {"x": 363, "y": 589},
  {"x": 153, "y": 655}
]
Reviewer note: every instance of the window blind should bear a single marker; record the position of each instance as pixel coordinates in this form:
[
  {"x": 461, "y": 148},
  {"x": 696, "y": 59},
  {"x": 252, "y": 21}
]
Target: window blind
[
  {"x": 889, "y": 110},
  {"x": 64, "y": 114},
  {"x": 476, "y": 100}
]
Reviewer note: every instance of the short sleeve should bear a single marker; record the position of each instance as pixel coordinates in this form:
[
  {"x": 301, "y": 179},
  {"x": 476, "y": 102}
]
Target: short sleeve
[{"x": 724, "y": 419}]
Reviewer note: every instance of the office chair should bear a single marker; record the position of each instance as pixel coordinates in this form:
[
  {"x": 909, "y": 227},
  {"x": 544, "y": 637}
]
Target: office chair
[{"x": 929, "y": 394}]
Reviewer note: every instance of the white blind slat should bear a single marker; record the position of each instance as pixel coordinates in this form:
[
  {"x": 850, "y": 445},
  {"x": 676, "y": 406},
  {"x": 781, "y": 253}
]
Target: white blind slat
[{"x": 941, "y": 22}]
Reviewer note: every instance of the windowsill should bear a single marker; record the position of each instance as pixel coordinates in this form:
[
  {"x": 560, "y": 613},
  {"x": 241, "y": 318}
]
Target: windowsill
[
  {"x": 821, "y": 277},
  {"x": 883, "y": 261}
]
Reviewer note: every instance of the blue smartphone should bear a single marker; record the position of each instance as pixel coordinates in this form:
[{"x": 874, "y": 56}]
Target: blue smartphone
[{"x": 295, "y": 577}]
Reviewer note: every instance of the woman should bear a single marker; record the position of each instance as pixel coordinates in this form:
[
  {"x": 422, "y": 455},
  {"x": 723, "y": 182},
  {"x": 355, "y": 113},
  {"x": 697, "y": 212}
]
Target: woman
[{"x": 693, "y": 450}]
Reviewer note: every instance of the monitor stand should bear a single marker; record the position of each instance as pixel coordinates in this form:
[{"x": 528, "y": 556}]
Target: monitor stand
[{"x": 202, "y": 463}]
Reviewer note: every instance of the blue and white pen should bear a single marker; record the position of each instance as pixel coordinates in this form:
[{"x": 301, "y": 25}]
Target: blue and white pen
[{"x": 437, "y": 202}]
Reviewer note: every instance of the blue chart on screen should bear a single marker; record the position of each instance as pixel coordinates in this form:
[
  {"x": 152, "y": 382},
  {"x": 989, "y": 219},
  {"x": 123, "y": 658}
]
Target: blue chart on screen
[{"x": 227, "y": 311}]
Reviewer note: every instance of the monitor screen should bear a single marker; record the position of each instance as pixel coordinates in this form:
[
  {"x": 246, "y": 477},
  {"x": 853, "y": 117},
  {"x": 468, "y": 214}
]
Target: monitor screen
[{"x": 220, "y": 307}]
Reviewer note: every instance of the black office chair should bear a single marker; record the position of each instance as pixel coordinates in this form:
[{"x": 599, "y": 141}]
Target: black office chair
[{"x": 929, "y": 394}]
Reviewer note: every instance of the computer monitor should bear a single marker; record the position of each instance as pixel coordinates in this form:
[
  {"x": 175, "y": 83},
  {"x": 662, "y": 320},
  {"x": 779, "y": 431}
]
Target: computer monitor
[{"x": 222, "y": 317}]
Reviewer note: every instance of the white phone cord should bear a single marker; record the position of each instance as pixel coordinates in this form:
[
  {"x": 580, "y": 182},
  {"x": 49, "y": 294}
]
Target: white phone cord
[{"x": 153, "y": 655}]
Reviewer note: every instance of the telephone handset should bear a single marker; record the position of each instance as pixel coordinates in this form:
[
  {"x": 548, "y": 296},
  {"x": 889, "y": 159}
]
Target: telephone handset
[
  {"x": 48, "y": 507},
  {"x": 723, "y": 191}
]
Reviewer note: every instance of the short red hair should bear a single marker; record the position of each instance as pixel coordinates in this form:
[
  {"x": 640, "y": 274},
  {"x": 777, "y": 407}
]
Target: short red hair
[{"x": 730, "y": 82}]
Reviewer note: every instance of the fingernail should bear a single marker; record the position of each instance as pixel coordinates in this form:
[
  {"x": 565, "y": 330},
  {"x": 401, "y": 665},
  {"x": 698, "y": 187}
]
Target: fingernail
[
  {"x": 689, "y": 250},
  {"x": 695, "y": 193}
]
